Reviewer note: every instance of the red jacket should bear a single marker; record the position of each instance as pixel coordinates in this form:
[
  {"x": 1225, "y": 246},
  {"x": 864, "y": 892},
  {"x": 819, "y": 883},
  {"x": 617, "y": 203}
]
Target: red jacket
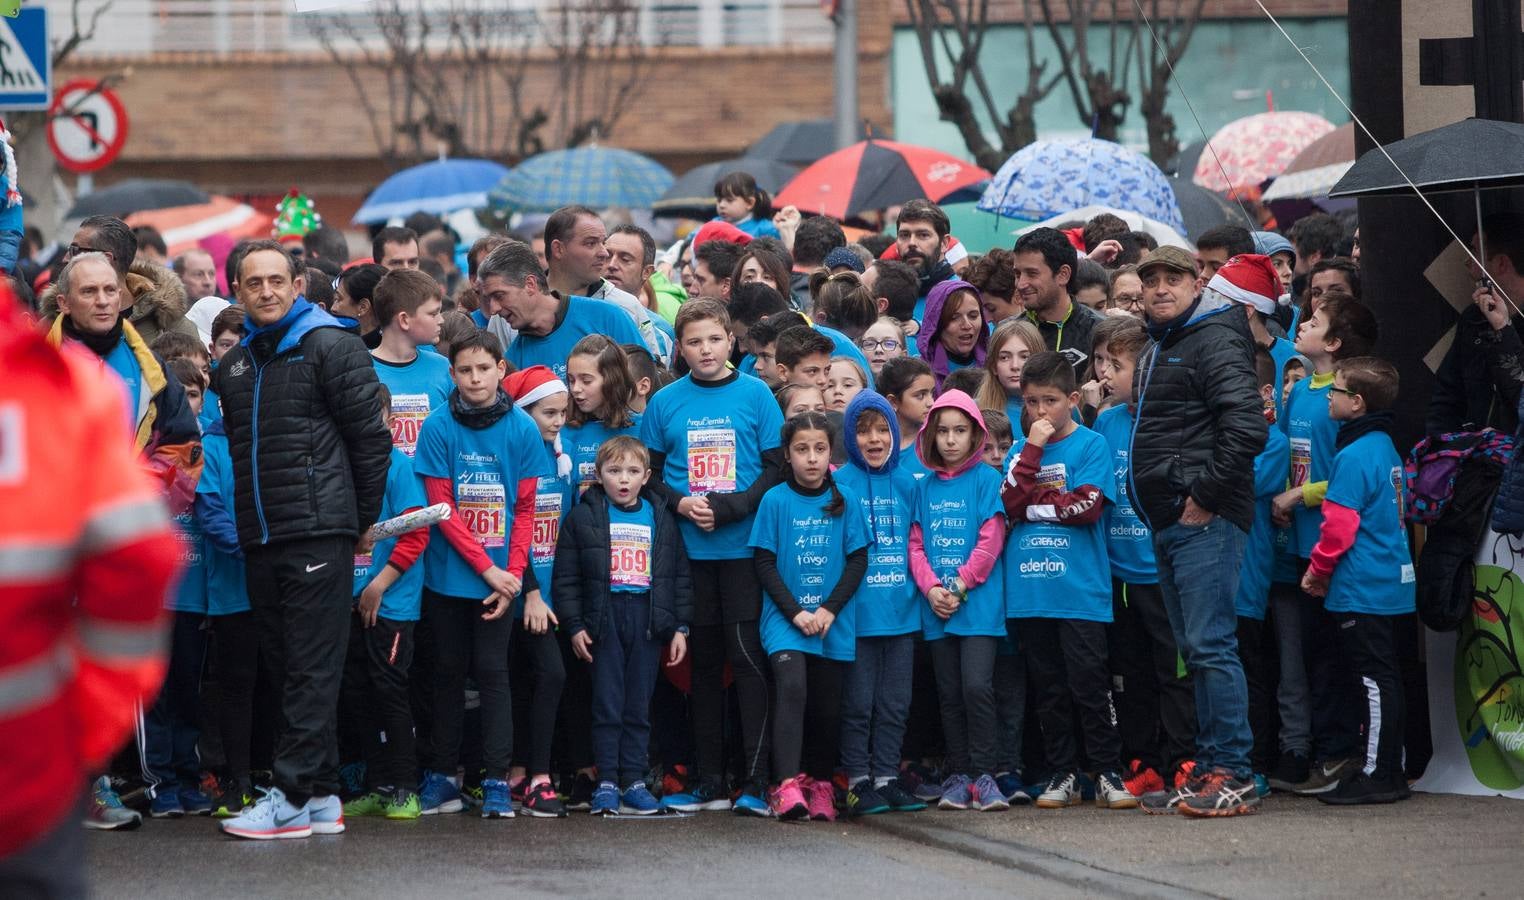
[{"x": 86, "y": 558}]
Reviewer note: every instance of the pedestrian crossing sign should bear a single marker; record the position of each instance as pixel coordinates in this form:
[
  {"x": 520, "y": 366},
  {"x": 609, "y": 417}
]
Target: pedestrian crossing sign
[{"x": 26, "y": 63}]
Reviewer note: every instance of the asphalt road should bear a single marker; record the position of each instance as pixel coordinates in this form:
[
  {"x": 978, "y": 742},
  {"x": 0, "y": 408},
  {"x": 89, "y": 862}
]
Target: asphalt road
[{"x": 1432, "y": 846}]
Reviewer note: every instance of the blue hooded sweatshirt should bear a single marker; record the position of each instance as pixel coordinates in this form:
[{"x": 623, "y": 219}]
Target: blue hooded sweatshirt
[{"x": 886, "y": 602}]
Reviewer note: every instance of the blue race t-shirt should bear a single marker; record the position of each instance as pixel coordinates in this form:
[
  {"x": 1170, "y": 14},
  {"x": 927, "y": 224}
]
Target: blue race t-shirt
[
  {"x": 632, "y": 534},
  {"x": 1129, "y": 543},
  {"x": 911, "y": 464},
  {"x": 1376, "y": 575},
  {"x": 553, "y": 499},
  {"x": 484, "y": 468},
  {"x": 1311, "y": 433},
  {"x": 886, "y": 602},
  {"x": 581, "y": 443},
  {"x": 211, "y": 409},
  {"x": 1059, "y": 571},
  {"x": 1013, "y": 407},
  {"x": 950, "y": 512},
  {"x": 189, "y": 594},
  {"x": 227, "y": 590},
  {"x": 404, "y": 491},
  {"x": 418, "y": 388},
  {"x": 1259, "y": 550},
  {"x": 812, "y": 546},
  {"x": 713, "y": 435},
  {"x": 584, "y": 316}
]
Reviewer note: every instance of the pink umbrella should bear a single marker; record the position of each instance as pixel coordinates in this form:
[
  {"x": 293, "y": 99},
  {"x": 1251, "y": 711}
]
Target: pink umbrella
[{"x": 1245, "y": 152}]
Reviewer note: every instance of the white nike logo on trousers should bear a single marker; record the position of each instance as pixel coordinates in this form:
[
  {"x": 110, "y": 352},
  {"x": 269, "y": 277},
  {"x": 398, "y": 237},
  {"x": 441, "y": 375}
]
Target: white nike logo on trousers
[{"x": 311, "y": 569}]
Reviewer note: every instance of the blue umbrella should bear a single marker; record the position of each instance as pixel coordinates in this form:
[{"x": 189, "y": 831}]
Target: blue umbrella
[
  {"x": 599, "y": 177},
  {"x": 1049, "y": 178},
  {"x": 439, "y": 187}
]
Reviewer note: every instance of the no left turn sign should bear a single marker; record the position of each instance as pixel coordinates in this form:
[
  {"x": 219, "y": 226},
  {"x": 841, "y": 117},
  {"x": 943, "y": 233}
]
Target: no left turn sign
[{"x": 87, "y": 126}]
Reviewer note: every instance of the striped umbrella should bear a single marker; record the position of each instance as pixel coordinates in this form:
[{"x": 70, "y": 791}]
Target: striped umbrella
[
  {"x": 872, "y": 175},
  {"x": 599, "y": 177}
]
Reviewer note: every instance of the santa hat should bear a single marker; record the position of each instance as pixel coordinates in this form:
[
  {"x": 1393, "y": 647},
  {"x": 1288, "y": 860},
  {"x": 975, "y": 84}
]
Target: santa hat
[
  {"x": 12, "y": 193},
  {"x": 530, "y": 386},
  {"x": 1250, "y": 279},
  {"x": 721, "y": 231}
]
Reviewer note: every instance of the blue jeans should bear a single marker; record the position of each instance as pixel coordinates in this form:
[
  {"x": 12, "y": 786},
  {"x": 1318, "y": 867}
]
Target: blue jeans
[
  {"x": 876, "y": 699},
  {"x": 626, "y": 660},
  {"x": 1198, "y": 575}
]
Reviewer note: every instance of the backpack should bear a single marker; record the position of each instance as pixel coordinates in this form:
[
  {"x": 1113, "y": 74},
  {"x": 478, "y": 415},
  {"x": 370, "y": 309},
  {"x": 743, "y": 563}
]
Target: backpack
[{"x": 1446, "y": 567}]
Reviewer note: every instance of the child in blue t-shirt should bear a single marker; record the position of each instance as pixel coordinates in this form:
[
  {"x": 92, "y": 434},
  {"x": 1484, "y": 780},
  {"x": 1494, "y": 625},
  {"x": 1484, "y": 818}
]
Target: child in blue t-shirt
[
  {"x": 408, "y": 306},
  {"x": 714, "y": 438},
  {"x": 876, "y": 699},
  {"x": 537, "y": 668},
  {"x": 910, "y": 387},
  {"x": 1341, "y": 328},
  {"x": 234, "y": 633},
  {"x": 623, "y": 587},
  {"x": 1057, "y": 591},
  {"x": 1363, "y": 569},
  {"x": 483, "y": 457},
  {"x": 388, "y": 589},
  {"x": 602, "y": 386},
  {"x": 1155, "y": 700},
  {"x": 958, "y": 527},
  {"x": 811, "y": 552}
]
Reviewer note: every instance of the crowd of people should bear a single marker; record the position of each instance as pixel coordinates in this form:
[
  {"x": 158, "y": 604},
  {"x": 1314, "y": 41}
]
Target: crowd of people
[{"x": 765, "y": 521}]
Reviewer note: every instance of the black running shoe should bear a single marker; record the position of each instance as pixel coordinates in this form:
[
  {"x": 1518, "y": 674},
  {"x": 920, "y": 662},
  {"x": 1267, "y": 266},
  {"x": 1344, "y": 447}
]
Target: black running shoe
[
  {"x": 1359, "y": 789},
  {"x": 580, "y": 797}
]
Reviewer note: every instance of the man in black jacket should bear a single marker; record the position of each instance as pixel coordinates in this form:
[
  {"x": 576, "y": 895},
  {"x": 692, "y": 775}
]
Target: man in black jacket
[
  {"x": 1198, "y": 428},
  {"x": 310, "y": 455}
]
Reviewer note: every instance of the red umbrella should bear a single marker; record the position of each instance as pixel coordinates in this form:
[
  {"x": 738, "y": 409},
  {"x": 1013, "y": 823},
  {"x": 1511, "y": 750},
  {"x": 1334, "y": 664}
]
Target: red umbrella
[{"x": 871, "y": 175}]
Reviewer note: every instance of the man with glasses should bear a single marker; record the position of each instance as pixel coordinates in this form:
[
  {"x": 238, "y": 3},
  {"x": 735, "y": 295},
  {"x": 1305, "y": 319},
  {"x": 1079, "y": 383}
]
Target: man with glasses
[{"x": 156, "y": 295}]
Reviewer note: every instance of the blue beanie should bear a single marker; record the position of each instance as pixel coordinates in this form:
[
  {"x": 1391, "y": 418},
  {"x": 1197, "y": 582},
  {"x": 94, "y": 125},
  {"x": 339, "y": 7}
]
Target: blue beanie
[
  {"x": 841, "y": 256},
  {"x": 1270, "y": 243}
]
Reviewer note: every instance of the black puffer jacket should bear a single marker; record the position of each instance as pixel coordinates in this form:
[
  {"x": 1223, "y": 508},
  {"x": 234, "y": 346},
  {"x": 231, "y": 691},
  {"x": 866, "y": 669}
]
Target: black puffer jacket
[
  {"x": 1200, "y": 422},
  {"x": 580, "y": 576},
  {"x": 302, "y": 410},
  {"x": 1477, "y": 385}
]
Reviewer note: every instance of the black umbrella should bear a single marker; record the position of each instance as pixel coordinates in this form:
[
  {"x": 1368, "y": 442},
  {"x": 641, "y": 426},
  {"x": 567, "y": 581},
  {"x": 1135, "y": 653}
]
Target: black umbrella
[
  {"x": 1204, "y": 210},
  {"x": 799, "y": 143},
  {"x": 136, "y": 195},
  {"x": 1184, "y": 162},
  {"x": 692, "y": 194}
]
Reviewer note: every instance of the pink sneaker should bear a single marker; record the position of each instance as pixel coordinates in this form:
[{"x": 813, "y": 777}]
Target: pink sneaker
[
  {"x": 822, "y": 800},
  {"x": 788, "y": 800}
]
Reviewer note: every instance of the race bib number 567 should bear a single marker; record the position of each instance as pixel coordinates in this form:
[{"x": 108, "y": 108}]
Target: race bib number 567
[{"x": 711, "y": 460}]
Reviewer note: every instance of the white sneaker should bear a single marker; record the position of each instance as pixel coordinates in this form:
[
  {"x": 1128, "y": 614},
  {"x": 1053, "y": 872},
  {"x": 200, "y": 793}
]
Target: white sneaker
[
  {"x": 1062, "y": 790},
  {"x": 326, "y": 815},
  {"x": 271, "y": 817},
  {"x": 1110, "y": 793}
]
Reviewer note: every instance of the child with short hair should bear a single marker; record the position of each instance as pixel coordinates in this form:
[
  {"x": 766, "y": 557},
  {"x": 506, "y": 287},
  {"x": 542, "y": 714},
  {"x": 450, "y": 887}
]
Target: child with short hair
[
  {"x": 910, "y": 387},
  {"x": 1056, "y": 494},
  {"x": 173, "y": 345},
  {"x": 1362, "y": 567},
  {"x": 388, "y": 592},
  {"x": 958, "y": 527},
  {"x": 193, "y": 378},
  {"x": 227, "y": 330},
  {"x": 409, "y": 306},
  {"x": 1155, "y": 700},
  {"x": 1341, "y": 328},
  {"x": 811, "y": 552},
  {"x": 803, "y": 356},
  {"x": 715, "y": 437},
  {"x": 483, "y": 457},
  {"x": 622, "y": 583},
  {"x": 876, "y": 697},
  {"x": 998, "y": 439},
  {"x": 969, "y": 380},
  {"x": 844, "y": 380}
]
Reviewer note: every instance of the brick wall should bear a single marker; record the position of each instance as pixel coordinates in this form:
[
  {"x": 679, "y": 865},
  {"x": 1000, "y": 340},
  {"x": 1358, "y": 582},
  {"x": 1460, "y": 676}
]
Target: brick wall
[{"x": 1011, "y": 10}]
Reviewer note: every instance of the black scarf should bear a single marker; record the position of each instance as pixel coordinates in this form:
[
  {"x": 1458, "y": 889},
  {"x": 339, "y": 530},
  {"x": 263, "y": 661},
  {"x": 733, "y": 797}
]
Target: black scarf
[
  {"x": 479, "y": 417},
  {"x": 100, "y": 344},
  {"x": 1355, "y": 429},
  {"x": 1159, "y": 331},
  {"x": 938, "y": 274}
]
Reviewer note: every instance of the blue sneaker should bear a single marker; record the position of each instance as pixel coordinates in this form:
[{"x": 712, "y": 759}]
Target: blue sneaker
[
  {"x": 704, "y": 794},
  {"x": 957, "y": 793},
  {"x": 1015, "y": 792},
  {"x": 438, "y": 794},
  {"x": 326, "y": 814},
  {"x": 271, "y": 817},
  {"x": 166, "y": 804},
  {"x": 987, "y": 795},
  {"x": 496, "y": 801},
  {"x": 605, "y": 800},
  {"x": 1261, "y": 785},
  {"x": 637, "y": 801},
  {"x": 752, "y": 801},
  {"x": 195, "y": 802}
]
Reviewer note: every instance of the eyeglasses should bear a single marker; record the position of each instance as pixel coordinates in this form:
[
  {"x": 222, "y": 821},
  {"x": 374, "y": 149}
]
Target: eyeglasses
[
  {"x": 1127, "y": 301},
  {"x": 888, "y": 345},
  {"x": 75, "y": 250},
  {"x": 1345, "y": 391}
]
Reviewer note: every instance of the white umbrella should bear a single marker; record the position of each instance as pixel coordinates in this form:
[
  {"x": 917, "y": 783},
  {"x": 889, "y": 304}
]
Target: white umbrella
[{"x": 1159, "y": 231}]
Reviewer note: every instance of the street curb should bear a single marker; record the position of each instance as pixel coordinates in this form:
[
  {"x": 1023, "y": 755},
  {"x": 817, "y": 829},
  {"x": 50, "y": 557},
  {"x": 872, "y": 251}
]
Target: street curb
[{"x": 1031, "y": 860}]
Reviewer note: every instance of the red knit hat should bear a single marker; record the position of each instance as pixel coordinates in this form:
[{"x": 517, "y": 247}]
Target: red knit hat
[
  {"x": 721, "y": 231},
  {"x": 1250, "y": 279},
  {"x": 528, "y": 387}
]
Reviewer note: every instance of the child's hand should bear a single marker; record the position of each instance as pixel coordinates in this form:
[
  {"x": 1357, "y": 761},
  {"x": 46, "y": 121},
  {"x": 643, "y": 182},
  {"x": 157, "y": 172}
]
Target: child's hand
[
  {"x": 1041, "y": 430},
  {"x": 805, "y": 622},
  {"x": 1091, "y": 393},
  {"x": 677, "y": 649},
  {"x": 943, "y": 603},
  {"x": 496, "y": 605},
  {"x": 502, "y": 581},
  {"x": 1313, "y": 585},
  {"x": 365, "y": 544},
  {"x": 786, "y": 220},
  {"x": 1283, "y": 504},
  {"x": 537, "y": 616},
  {"x": 697, "y": 510},
  {"x": 370, "y": 604},
  {"x": 582, "y": 646},
  {"x": 823, "y": 619}
]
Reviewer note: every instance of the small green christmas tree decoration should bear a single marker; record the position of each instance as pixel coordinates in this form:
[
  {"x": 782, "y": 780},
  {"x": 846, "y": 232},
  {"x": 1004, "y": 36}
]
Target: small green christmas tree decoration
[{"x": 295, "y": 216}]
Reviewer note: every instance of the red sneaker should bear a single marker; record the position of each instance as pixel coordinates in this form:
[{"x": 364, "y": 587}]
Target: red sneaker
[
  {"x": 1183, "y": 774},
  {"x": 1140, "y": 779},
  {"x": 674, "y": 781}
]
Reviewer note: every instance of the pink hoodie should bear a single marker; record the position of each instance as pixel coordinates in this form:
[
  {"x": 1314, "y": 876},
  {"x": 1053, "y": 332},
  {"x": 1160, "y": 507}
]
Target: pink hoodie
[{"x": 991, "y": 534}]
